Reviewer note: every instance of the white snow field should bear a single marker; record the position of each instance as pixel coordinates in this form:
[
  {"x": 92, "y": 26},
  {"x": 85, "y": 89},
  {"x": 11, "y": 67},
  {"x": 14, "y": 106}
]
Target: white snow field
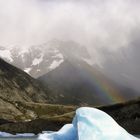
[{"x": 90, "y": 124}]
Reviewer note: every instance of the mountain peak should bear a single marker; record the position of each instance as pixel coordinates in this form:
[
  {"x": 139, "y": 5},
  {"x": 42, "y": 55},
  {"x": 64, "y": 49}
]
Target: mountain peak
[
  {"x": 76, "y": 82},
  {"x": 40, "y": 59}
]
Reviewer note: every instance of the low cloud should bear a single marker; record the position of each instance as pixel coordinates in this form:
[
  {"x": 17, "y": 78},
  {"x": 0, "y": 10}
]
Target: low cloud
[{"x": 109, "y": 29}]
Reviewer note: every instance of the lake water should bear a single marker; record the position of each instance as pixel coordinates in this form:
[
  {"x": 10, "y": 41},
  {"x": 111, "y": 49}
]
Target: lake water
[
  {"x": 27, "y": 138},
  {"x": 12, "y": 138}
]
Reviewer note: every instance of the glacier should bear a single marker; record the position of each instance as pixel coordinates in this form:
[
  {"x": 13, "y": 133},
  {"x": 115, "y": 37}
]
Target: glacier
[{"x": 90, "y": 124}]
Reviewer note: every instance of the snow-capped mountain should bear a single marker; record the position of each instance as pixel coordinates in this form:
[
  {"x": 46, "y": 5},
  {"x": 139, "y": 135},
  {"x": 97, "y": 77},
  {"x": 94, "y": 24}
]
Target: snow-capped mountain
[
  {"x": 5, "y": 54},
  {"x": 65, "y": 68},
  {"x": 40, "y": 59}
]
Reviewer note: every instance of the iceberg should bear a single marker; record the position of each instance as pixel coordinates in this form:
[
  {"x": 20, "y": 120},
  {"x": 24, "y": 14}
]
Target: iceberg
[
  {"x": 90, "y": 124},
  {"x": 67, "y": 132},
  {"x": 8, "y": 135},
  {"x": 4, "y": 134}
]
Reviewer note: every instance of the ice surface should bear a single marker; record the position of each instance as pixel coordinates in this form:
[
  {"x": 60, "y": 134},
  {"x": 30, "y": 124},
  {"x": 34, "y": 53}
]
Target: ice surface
[
  {"x": 90, "y": 124},
  {"x": 67, "y": 132},
  {"x": 7, "y": 135},
  {"x": 4, "y": 134},
  {"x": 25, "y": 135}
]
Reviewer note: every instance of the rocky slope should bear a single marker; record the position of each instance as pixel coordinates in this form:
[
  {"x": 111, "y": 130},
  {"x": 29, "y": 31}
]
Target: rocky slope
[
  {"x": 17, "y": 86},
  {"x": 53, "y": 117}
]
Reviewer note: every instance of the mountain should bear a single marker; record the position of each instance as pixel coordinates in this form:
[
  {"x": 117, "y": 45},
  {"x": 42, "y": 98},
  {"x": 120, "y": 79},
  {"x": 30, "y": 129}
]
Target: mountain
[
  {"x": 66, "y": 69},
  {"x": 17, "y": 86},
  {"x": 76, "y": 82},
  {"x": 40, "y": 59},
  {"x": 20, "y": 112}
]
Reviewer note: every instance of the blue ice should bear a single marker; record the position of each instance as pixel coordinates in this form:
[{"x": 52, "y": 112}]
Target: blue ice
[{"x": 90, "y": 124}]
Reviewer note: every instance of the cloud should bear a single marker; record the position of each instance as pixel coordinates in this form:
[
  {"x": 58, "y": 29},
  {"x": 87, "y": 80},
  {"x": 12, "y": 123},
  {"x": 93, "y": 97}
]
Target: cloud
[
  {"x": 109, "y": 29},
  {"x": 88, "y": 22}
]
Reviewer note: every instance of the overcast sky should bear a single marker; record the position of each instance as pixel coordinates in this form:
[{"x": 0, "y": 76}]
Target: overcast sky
[
  {"x": 97, "y": 22},
  {"x": 110, "y": 29}
]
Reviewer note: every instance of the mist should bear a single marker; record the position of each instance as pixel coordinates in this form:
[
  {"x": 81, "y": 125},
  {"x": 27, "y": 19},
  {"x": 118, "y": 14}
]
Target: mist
[{"x": 108, "y": 29}]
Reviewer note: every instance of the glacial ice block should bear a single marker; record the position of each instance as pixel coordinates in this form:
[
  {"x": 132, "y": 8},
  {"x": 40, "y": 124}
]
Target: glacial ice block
[
  {"x": 90, "y": 124},
  {"x": 67, "y": 132}
]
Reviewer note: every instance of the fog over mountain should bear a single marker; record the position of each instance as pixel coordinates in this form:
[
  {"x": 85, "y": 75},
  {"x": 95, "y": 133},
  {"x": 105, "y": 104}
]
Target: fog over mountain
[{"x": 108, "y": 29}]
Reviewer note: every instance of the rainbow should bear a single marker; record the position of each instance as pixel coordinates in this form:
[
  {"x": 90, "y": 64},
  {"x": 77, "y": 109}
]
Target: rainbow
[{"x": 104, "y": 86}]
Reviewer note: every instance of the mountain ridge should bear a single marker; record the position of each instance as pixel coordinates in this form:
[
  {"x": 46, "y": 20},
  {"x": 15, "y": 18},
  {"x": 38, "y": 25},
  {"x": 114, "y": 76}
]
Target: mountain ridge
[
  {"x": 76, "y": 82},
  {"x": 17, "y": 86},
  {"x": 40, "y": 59},
  {"x": 12, "y": 77}
]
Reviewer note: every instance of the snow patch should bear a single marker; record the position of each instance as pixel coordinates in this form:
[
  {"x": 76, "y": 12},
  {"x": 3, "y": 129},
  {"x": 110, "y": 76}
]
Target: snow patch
[
  {"x": 23, "y": 51},
  {"x": 88, "y": 61},
  {"x": 6, "y": 54},
  {"x": 27, "y": 70},
  {"x": 56, "y": 51},
  {"x": 38, "y": 70},
  {"x": 59, "y": 55},
  {"x": 55, "y": 64},
  {"x": 37, "y": 61}
]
